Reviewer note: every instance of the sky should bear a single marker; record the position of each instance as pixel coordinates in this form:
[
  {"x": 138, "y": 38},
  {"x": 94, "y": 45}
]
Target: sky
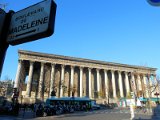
[{"x": 120, "y": 31}]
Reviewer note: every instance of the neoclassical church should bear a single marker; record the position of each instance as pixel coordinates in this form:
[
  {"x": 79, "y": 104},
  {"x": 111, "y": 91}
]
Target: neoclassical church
[{"x": 38, "y": 74}]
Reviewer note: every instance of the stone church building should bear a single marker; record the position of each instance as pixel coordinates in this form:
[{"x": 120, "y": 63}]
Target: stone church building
[{"x": 38, "y": 74}]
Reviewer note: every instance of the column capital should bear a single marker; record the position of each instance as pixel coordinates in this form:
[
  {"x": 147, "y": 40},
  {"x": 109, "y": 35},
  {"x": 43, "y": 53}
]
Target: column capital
[
  {"x": 31, "y": 62},
  {"x": 89, "y": 69},
  {"x": 97, "y": 69},
  {"x": 53, "y": 64},
  {"x": 112, "y": 71},
  {"x": 81, "y": 67},
  {"x": 105, "y": 70},
  {"x": 63, "y": 66},
  {"x": 42, "y": 63},
  {"x": 126, "y": 72},
  {"x": 119, "y": 72},
  {"x": 72, "y": 66},
  {"x": 20, "y": 61}
]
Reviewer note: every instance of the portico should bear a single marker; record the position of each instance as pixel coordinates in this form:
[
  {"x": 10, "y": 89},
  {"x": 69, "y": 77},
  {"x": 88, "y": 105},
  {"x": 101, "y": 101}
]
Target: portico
[{"x": 91, "y": 78}]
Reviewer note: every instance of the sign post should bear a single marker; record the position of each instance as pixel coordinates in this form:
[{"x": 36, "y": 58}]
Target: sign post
[
  {"x": 4, "y": 25},
  {"x": 2, "y": 16}
]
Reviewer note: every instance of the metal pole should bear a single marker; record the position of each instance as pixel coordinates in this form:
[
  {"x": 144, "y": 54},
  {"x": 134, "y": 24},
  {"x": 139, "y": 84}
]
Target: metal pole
[{"x": 3, "y": 42}]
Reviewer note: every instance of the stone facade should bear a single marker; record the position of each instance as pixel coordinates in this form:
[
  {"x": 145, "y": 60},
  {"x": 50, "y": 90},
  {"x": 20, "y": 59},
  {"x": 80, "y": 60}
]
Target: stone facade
[{"x": 44, "y": 73}]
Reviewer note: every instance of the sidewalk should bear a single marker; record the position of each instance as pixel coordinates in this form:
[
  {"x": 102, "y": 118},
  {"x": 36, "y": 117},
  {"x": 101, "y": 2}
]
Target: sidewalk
[
  {"x": 27, "y": 115},
  {"x": 156, "y": 113}
]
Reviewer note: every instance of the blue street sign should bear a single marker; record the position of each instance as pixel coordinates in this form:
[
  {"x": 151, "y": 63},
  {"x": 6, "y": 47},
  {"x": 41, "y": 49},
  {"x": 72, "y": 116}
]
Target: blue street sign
[{"x": 154, "y": 2}]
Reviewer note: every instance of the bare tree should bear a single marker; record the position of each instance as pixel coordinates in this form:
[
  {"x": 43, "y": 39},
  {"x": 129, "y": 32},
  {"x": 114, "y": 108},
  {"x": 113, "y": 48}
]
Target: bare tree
[{"x": 149, "y": 88}]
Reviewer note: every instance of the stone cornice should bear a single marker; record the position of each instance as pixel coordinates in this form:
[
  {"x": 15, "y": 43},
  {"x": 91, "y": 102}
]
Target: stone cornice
[{"x": 51, "y": 58}]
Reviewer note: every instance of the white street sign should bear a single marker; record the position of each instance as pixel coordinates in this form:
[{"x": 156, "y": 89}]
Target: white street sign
[{"x": 32, "y": 23}]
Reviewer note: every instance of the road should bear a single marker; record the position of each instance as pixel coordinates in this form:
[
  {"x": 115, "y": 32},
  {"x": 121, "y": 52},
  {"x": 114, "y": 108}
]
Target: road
[{"x": 105, "y": 114}]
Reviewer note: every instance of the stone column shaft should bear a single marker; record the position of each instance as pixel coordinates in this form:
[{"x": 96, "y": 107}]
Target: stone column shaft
[
  {"x": 114, "y": 85},
  {"x": 81, "y": 82},
  {"x": 133, "y": 83},
  {"x": 145, "y": 85},
  {"x": 151, "y": 84},
  {"x": 98, "y": 81},
  {"x": 41, "y": 82},
  {"x": 120, "y": 84},
  {"x": 72, "y": 79},
  {"x": 28, "y": 91},
  {"x": 90, "y": 83},
  {"x": 52, "y": 78},
  {"x": 139, "y": 83},
  {"x": 17, "y": 80},
  {"x": 106, "y": 83},
  {"x": 62, "y": 79},
  {"x": 127, "y": 83}
]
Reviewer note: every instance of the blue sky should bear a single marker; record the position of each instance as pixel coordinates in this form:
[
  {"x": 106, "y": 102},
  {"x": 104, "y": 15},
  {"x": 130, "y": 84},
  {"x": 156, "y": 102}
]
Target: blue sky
[{"x": 125, "y": 31}]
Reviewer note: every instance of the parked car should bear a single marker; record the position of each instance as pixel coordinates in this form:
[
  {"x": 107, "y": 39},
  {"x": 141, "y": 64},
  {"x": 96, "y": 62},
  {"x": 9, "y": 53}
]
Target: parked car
[{"x": 94, "y": 106}]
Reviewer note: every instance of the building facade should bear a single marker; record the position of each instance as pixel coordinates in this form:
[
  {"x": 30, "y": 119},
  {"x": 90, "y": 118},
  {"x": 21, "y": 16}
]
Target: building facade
[{"x": 38, "y": 74}]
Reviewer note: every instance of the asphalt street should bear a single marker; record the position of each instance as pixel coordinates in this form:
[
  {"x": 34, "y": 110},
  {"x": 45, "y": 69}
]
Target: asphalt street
[{"x": 105, "y": 114}]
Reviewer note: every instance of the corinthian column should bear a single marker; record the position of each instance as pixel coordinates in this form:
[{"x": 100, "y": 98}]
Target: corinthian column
[
  {"x": 106, "y": 83},
  {"x": 17, "y": 80},
  {"x": 120, "y": 84},
  {"x": 114, "y": 85},
  {"x": 150, "y": 80},
  {"x": 133, "y": 83},
  {"x": 72, "y": 79},
  {"x": 52, "y": 77},
  {"x": 145, "y": 85},
  {"x": 81, "y": 78},
  {"x": 98, "y": 82},
  {"x": 127, "y": 83},
  {"x": 90, "y": 84},
  {"x": 62, "y": 79},
  {"x": 28, "y": 91},
  {"x": 139, "y": 82},
  {"x": 41, "y": 81}
]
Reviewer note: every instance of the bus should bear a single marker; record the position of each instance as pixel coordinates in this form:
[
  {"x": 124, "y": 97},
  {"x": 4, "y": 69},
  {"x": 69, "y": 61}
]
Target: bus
[
  {"x": 77, "y": 103},
  {"x": 54, "y": 105}
]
